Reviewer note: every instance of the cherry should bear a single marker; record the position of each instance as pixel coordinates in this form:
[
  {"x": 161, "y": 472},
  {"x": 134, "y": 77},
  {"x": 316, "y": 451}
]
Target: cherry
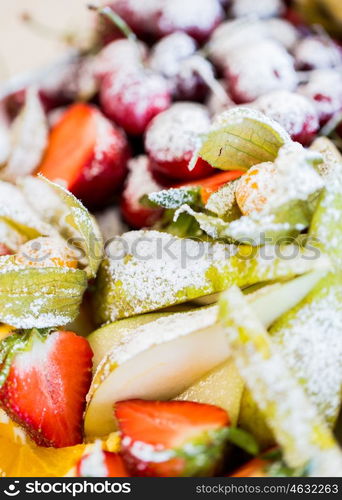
[
  {"x": 324, "y": 89},
  {"x": 198, "y": 18},
  {"x": 294, "y": 112},
  {"x": 316, "y": 52},
  {"x": 119, "y": 54},
  {"x": 139, "y": 182},
  {"x": 257, "y": 69},
  {"x": 133, "y": 98},
  {"x": 172, "y": 139},
  {"x": 174, "y": 56},
  {"x": 260, "y": 8}
]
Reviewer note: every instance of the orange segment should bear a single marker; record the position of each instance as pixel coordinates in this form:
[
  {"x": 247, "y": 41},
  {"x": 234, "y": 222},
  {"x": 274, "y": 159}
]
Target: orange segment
[{"x": 20, "y": 457}]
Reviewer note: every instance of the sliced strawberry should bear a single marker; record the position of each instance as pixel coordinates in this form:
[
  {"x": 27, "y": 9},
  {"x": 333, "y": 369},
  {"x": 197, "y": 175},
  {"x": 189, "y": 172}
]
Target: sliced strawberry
[
  {"x": 173, "y": 438},
  {"x": 254, "y": 468},
  {"x": 4, "y": 250},
  {"x": 99, "y": 463},
  {"x": 211, "y": 184},
  {"x": 46, "y": 386},
  {"x": 87, "y": 153}
]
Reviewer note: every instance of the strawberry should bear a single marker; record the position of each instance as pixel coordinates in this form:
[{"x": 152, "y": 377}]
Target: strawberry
[
  {"x": 172, "y": 138},
  {"x": 45, "y": 378},
  {"x": 171, "y": 438},
  {"x": 254, "y": 468},
  {"x": 87, "y": 153},
  {"x": 133, "y": 97},
  {"x": 99, "y": 463},
  {"x": 4, "y": 250},
  {"x": 139, "y": 182}
]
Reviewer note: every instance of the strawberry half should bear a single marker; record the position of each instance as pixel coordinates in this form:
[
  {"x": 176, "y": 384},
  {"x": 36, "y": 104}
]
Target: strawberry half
[
  {"x": 171, "y": 438},
  {"x": 99, "y": 463},
  {"x": 45, "y": 379}
]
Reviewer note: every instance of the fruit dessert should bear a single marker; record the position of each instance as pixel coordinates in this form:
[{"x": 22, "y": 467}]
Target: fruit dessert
[{"x": 170, "y": 248}]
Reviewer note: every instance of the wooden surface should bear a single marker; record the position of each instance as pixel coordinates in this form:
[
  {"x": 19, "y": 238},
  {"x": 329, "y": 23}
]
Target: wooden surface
[{"x": 22, "y": 48}]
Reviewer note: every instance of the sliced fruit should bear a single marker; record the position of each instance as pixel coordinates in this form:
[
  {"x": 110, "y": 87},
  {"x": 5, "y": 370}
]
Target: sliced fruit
[
  {"x": 299, "y": 430},
  {"x": 44, "y": 382},
  {"x": 173, "y": 438},
  {"x": 104, "y": 339},
  {"x": 99, "y": 463},
  {"x": 222, "y": 387},
  {"x": 254, "y": 468},
  {"x": 157, "y": 360},
  {"x": 162, "y": 355},
  {"x": 211, "y": 184},
  {"x": 97, "y": 167},
  {"x": 146, "y": 271},
  {"x": 241, "y": 138}
]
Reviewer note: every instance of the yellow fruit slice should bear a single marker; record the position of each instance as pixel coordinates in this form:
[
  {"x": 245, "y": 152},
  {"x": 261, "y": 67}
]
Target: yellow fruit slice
[{"x": 20, "y": 457}]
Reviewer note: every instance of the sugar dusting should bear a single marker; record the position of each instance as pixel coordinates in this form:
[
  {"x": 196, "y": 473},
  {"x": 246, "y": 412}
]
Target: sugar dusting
[
  {"x": 140, "y": 181},
  {"x": 260, "y": 8},
  {"x": 260, "y": 68},
  {"x": 317, "y": 53},
  {"x": 292, "y": 111},
  {"x": 176, "y": 132}
]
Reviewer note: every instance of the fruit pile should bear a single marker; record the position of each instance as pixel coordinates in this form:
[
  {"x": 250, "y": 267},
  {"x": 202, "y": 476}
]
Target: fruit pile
[{"x": 170, "y": 251}]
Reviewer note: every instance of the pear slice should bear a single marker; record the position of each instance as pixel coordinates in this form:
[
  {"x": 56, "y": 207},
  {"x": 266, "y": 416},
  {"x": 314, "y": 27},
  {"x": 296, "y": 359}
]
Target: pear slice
[
  {"x": 148, "y": 270},
  {"x": 158, "y": 356},
  {"x": 305, "y": 439},
  {"x": 222, "y": 386},
  {"x": 103, "y": 340},
  {"x": 157, "y": 360}
]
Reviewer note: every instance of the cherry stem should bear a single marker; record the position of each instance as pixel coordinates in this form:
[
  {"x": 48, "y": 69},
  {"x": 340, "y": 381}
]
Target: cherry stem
[
  {"x": 46, "y": 31},
  {"x": 115, "y": 19}
]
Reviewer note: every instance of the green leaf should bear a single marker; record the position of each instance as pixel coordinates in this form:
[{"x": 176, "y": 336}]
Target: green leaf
[
  {"x": 39, "y": 297},
  {"x": 241, "y": 138},
  {"x": 175, "y": 197},
  {"x": 79, "y": 219},
  {"x": 243, "y": 440},
  {"x": 14, "y": 344}
]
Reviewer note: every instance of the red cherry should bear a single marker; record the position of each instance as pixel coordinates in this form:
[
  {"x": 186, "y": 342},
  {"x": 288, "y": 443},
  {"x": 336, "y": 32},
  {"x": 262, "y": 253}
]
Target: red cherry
[
  {"x": 94, "y": 169},
  {"x": 198, "y": 18},
  {"x": 324, "y": 90},
  {"x": 139, "y": 182},
  {"x": 259, "y": 68},
  {"x": 315, "y": 52},
  {"x": 294, "y": 112},
  {"x": 117, "y": 55},
  {"x": 140, "y": 15},
  {"x": 133, "y": 98},
  {"x": 172, "y": 138},
  {"x": 261, "y": 9},
  {"x": 174, "y": 56}
]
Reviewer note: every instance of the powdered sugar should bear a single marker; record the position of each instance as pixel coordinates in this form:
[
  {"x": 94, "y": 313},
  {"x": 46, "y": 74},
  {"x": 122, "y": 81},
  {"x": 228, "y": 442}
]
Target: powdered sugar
[
  {"x": 169, "y": 51},
  {"x": 175, "y": 133},
  {"x": 294, "y": 112},
  {"x": 317, "y": 53},
  {"x": 312, "y": 343},
  {"x": 259, "y": 68},
  {"x": 140, "y": 181},
  {"x": 324, "y": 89},
  {"x": 258, "y": 8}
]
